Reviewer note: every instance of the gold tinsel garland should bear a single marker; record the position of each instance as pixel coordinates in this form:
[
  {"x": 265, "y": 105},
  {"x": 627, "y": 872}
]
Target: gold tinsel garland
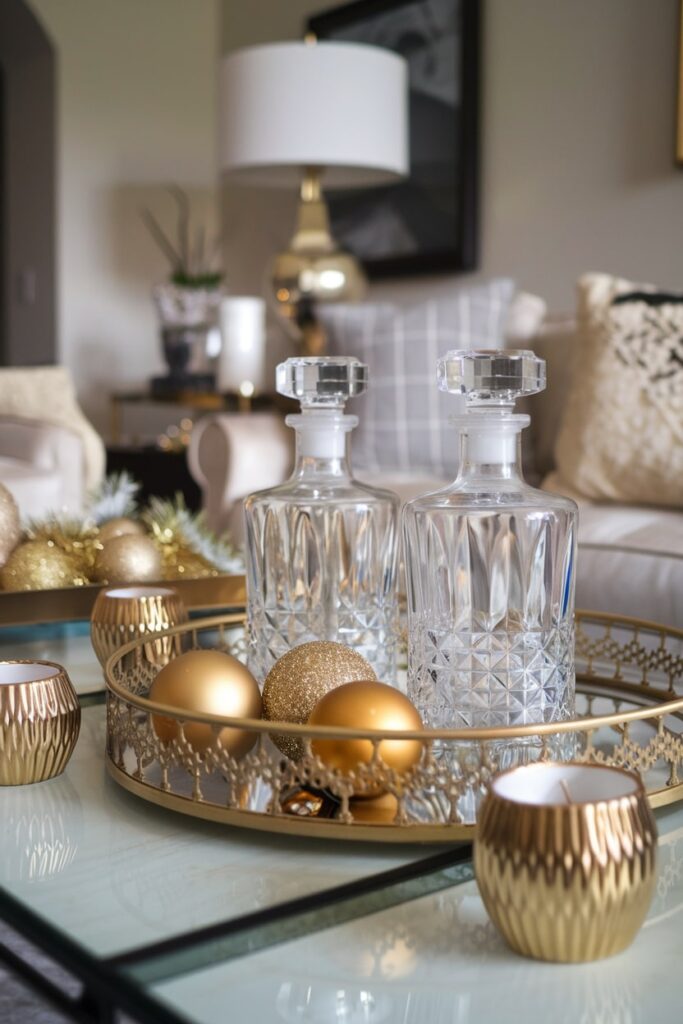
[{"x": 63, "y": 552}]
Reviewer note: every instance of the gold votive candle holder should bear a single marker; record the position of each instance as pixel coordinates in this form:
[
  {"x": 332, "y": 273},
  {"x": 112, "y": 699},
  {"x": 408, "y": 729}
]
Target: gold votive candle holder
[
  {"x": 122, "y": 614},
  {"x": 565, "y": 859},
  {"x": 40, "y": 718}
]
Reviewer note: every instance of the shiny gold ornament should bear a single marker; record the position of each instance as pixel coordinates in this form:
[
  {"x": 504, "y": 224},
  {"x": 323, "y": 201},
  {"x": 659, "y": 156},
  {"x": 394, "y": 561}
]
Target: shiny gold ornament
[
  {"x": 565, "y": 859},
  {"x": 298, "y": 680},
  {"x": 121, "y": 526},
  {"x": 208, "y": 682},
  {"x": 40, "y": 718},
  {"x": 128, "y": 559},
  {"x": 367, "y": 705},
  {"x": 10, "y": 529},
  {"x": 126, "y": 613},
  {"x": 40, "y": 565}
]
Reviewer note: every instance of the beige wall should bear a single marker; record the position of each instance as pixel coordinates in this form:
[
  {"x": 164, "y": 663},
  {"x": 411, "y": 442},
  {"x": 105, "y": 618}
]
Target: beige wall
[
  {"x": 578, "y": 142},
  {"x": 136, "y": 110}
]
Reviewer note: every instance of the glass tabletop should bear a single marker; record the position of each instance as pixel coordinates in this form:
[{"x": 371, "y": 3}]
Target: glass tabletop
[
  {"x": 175, "y": 919},
  {"x": 439, "y": 960}
]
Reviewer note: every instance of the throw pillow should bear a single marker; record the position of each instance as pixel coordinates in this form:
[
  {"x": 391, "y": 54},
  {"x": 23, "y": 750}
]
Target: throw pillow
[
  {"x": 403, "y": 417},
  {"x": 621, "y": 437}
]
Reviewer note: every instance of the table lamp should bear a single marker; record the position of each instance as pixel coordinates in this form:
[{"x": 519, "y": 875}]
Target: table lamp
[{"x": 298, "y": 113}]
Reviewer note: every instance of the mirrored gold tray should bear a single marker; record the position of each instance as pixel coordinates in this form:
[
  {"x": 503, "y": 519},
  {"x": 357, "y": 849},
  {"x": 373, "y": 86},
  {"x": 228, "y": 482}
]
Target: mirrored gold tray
[{"x": 629, "y": 713}]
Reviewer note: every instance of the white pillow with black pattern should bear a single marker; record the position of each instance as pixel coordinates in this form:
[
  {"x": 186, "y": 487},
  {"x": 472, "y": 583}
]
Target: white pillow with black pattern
[
  {"x": 621, "y": 437},
  {"x": 403, "y": 417}
]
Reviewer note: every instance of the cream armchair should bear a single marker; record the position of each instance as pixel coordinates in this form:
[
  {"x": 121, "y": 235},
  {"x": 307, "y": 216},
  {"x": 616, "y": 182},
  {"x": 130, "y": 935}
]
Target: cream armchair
[{"x": 50, "y": 455}]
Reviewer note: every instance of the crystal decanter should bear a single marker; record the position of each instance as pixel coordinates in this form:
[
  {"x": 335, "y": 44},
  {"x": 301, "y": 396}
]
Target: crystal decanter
[
  {"x": 490, "y": 566},
  {"x": 321, "y": 548}
]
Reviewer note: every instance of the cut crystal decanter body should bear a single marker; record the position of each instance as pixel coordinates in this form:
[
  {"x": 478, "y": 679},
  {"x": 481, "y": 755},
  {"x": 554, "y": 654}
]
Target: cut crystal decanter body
[
  {"x": 322, "y": 548},
  {"x": 490, "y": 566}
]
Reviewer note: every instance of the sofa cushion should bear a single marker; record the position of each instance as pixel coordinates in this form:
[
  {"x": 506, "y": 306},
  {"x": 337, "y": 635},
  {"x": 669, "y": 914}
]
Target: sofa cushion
[
  {"x": 630, "y": 562},
  {"x": 403, "y": 418},
  {"x": 622, "y": 433}
]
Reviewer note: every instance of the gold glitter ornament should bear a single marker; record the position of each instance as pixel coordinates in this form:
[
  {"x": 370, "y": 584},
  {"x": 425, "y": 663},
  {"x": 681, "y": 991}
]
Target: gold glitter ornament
[
  {"x": 298, "y": 680},
  {"x": 75, "y": 537},
  {"x": 128, "y": 559},
  {"x": 120, "y": 527},
  {"x": 367, "y": 705},
  {"x": 10, "y": 529},
  {"x": 209, "y": 682},
  {"x": 40, "y": 565}
]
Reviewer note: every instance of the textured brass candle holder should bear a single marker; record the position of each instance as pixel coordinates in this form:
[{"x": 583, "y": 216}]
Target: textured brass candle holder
[
  {"x": 40, "y": 718},
  {"x": 122, "y": 614},
  {"x": 565, "y": 859}
]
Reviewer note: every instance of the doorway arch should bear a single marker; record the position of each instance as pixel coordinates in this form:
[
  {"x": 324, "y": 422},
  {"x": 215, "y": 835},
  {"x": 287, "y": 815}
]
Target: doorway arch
[{"x": 27, "y": 188}]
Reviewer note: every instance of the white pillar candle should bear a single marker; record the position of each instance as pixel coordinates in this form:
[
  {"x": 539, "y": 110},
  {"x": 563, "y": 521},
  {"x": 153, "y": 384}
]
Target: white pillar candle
[{"x": 243, "y": 329}]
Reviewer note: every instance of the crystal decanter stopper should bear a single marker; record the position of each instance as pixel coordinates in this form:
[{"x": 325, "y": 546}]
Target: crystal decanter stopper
[
  {"x": 321, "y": 548},
  {"x": 490, "y": 566}
]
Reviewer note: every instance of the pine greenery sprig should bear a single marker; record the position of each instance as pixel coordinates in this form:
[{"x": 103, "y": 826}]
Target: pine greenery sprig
[{"x": 116, "y": 497}]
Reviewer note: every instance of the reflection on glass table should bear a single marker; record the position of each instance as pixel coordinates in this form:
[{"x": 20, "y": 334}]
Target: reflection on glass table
[
  {"x": 116, "y": 873},
  {"x": 439, "y": 960}
]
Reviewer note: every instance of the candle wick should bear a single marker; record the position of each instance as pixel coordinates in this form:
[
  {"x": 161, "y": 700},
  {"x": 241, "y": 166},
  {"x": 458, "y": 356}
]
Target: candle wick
[{"x": 565, "y": 789}]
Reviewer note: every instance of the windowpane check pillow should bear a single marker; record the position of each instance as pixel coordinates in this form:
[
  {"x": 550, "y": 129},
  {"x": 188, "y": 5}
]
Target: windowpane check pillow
[
  {"x": 403, "y": 417},
  {"x": 621, "y": 437}
]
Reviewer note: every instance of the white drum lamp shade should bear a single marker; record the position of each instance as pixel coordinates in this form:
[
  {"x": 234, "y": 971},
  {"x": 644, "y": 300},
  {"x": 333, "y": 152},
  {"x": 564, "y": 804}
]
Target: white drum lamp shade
[{"x": 337, "y": 106}]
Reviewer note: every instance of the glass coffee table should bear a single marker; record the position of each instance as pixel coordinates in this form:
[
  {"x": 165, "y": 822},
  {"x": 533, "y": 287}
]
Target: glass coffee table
[{"x": 133, "y": 912}]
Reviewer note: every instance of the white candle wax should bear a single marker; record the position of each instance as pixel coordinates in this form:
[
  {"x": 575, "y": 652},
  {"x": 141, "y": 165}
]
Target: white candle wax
[
  {"x": 544, "y": 785},
  {"x": 243, "y": 330},
  {"x": 128, "y": 593},
  {"x": 26, "y": 672}
]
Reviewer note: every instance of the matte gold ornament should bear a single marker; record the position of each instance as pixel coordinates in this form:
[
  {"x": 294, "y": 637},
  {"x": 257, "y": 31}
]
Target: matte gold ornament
[
  {"x": 565, "y": 859},
  {"x": 10, "y": 528},
  {"x": 40, "y": 718},
  {"x": 40, "y": 565},
  {"x": 123, "y": 614},
  {"x": 128, "y": 559},
  {"x": 121, "y": 526},
  {"x": 298, "y": 680},
  {"x": 367, "y": 705},
  {"x": 207, "y": 682}
]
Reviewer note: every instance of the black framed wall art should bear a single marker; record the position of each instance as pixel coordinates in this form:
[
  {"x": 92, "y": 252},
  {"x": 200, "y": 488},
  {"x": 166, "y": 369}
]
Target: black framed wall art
[{"x": 429, "y": 222}]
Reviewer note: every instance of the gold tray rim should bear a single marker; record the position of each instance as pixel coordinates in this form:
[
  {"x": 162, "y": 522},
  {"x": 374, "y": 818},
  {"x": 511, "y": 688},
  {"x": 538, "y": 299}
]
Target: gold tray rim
[
  {"x": 660, "y": 706},
  {"x": 383, "y": 832}
]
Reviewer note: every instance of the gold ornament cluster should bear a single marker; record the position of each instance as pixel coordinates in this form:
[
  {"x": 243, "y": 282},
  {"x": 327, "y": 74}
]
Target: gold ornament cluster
[{"x": 165, "y": 542}]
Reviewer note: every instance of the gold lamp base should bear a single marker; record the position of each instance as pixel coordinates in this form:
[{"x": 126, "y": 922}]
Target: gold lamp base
[{"x": 314, "y": 269}]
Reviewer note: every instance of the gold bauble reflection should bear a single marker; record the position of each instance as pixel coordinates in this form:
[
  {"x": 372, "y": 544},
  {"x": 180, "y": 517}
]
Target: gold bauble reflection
[
  {"x": 207, "y": 682},
  {"x": 298, "y": 680},
  {"x": 367, "y": 705},
  {"x": 128, "y": 558},
  {"x": 121, "y": 526},
  {"x": 40, "y": 565},
  {"x": 10, "y": 529}
]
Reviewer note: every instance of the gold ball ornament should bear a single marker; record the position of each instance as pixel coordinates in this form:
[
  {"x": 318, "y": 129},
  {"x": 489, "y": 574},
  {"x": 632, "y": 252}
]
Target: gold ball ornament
[
  {"x": 121, "y": 526},
  {"x": 128, "y": 559},
  {"x": 367, "y": 705},
  {"x": 10, "y": 529},
  {"x": 40, "y": 565},
  {"x": 298, "y": 680},
  {"x": 207, "y": 682}
]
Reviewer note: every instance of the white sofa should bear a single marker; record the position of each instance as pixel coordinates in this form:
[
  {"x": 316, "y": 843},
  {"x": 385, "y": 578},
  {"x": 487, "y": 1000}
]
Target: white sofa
[{"x": 630, "y": 558}]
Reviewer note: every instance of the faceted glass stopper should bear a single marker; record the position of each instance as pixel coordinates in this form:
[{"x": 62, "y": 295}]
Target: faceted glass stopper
[
  {"x": 498, "y": 376},
  {"x": 322, "y": 381}
]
